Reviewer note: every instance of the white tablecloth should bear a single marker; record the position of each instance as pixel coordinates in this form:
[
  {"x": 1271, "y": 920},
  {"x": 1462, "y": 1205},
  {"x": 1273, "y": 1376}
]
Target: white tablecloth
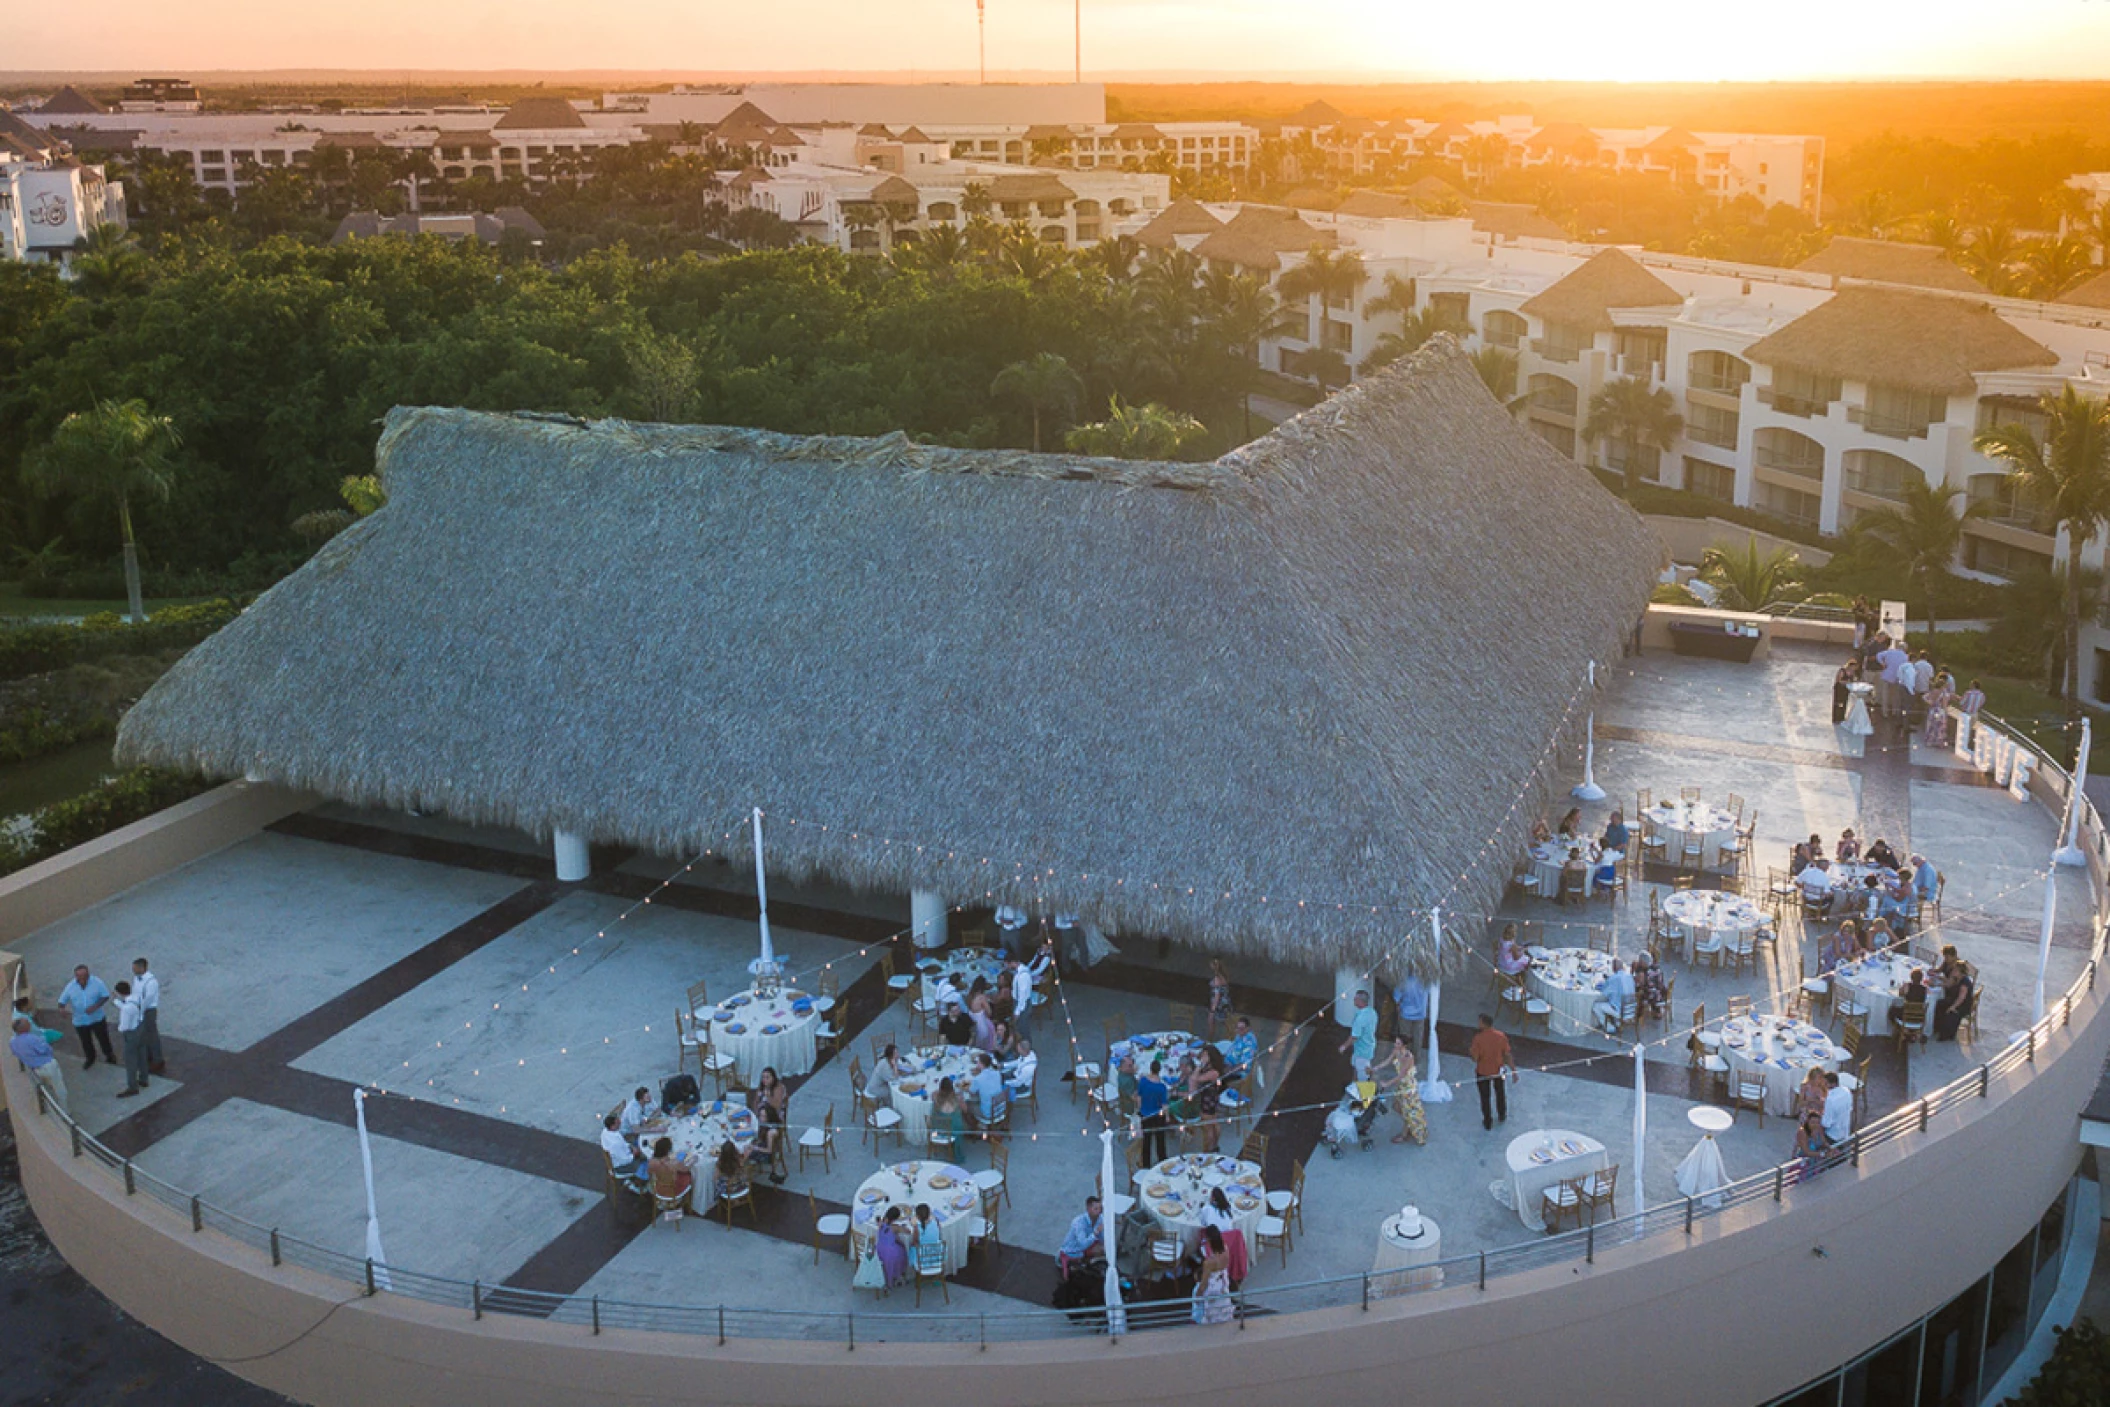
[
  {"x": 954, "y": 1207},
  {"x": 1703, "y": 1170},
  {"x": 1875, "y": 982},
  {"x": 1175, "y": 1191},
  {"x": 964, "y": 965},
  {"x": 1712, "y": 917},
  {"x": 697, "y": 1139},
  {"x": 1781, "y": 1049},
  {"x": 1550, "y": 857},
  {"x": 758, "y": 1033},
  {"x": 1675, "y": 821},
  {"x": 1567, "y": 980},
  {"x": 1404, "y": 1262},
  {"x": 1858, "y": 724},
  {"x": 1529, "y": 1177},
  {"x": 913, "y": 1093},
  {"x": 1168, "y": 1046}
]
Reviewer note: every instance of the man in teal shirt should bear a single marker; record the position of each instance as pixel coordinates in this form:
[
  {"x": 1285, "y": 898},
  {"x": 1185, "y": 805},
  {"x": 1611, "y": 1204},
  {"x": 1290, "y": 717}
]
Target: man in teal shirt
[{"x": 1362, "y": 1035}]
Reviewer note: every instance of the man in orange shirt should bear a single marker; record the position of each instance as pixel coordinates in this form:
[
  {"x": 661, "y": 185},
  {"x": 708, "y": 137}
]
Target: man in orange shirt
[{"x": 1493, "y": 1064}]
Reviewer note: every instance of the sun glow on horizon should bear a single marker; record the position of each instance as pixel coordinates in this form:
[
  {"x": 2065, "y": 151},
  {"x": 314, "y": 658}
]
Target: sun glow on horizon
[{"x": 1375, "y": 40}]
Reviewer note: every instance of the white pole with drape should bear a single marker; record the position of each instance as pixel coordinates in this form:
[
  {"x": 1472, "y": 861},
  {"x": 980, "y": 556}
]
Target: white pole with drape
[
  {"x": 2051, "y": 909},
  {"x": 1116, "y": 1316},
  {"x": 769, "y": 952},
  {"x": 1433, "y": 1089},
  {"x": 374, "y": 1252},
  {"x": 1640, "y": 1129},
  {"x": 1589, "y": 790},
  {"x": 2070, "y": 852}
]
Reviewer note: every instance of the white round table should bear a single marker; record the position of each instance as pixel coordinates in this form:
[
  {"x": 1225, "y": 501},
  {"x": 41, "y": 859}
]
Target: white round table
[
  {"x": 1679, "y": 821},
  {"x": 954, "y": 1203},
  {"x": 1168, "y": 1046},
  {"x": 1406, "y": 1262},
  {"x": 768, "y": 1032},
  {"x": 963, "y": 965},
  {"x": 1875, "y": 982},
  {"x": 697, "y": 1139},
  {"x": 1567, "y": 980},
  {"x": 912, "y": 1094},
  {"x": 1544, "y": 1157},
  {"x": 1712, "y": 917},
  {"x": 1779, "y": 1050},
  {"x": 1176, "y": 1191},
  {"x": 1857, "y": 722},
  {"x": 1550, "y": 857}
]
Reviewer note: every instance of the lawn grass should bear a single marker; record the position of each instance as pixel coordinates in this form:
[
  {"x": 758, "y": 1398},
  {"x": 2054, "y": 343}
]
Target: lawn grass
[{"x": 14, "y": 603}]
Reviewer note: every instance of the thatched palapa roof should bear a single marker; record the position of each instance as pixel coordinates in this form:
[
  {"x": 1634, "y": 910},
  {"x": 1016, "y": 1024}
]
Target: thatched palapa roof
[
  {"x": 1032, "y": 185},
  {"x": 2093, "y": 293},
  {"x": 70, "y": 101},
  {"x": 1257, "y": 237},
  {"x": 1174, "y": 698},
  {"x": 1608, "y": 279},
  {"x": 1182, "y": 217},
  {"x": 1511, "y": 221},
  {"x": 1891, "y": 261},
  {"x": 1921, "y": 341},
  {"x": 539, "y": 115}
]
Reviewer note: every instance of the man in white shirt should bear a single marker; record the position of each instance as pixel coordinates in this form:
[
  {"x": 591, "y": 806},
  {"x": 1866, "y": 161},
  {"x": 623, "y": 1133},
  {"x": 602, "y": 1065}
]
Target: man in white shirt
[
  {"x": 623, "y": 1157},
  {"x": 1838, "y": 1112},
  {"x": 1018, "y": 1074},
  {"x": 1011, "y": 927},
  {"x": 1893, "y": 662},
  {"x": 1615, "y": 997},
  {"x": 639, "y": 1113},
  {"x": 133, "y": 1040},
  {"x": 1022, "y": 978},
  {"x": 1816, "y": 882},
  {"x": 148, "y": 986}
]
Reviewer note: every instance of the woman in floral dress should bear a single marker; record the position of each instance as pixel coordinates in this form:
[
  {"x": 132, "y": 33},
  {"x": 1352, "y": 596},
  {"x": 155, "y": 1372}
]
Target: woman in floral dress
[
  {"x": 1397, "y": 1076},
  {"x": 1939, "y": 696}
]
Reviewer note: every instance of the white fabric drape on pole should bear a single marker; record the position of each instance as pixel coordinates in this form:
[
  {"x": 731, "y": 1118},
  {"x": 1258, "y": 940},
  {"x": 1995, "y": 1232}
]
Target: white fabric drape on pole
[
  {"x": 2070, "y": 852},
  {"x": 1116, "y": 1316},
  {"x": 1589, "y": 790},
  {"x": 2051, "y": 908},
  {"x": 1640, "y": 1129},
  {"x": 1433, "y": 1089},
  {"x": 769, "y": 953},
  {"x": 374, "y": 1252}
]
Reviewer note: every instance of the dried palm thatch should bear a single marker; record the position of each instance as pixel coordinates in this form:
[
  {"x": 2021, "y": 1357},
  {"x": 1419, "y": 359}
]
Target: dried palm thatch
[
  {"x": 1278, "y": 704},
  {"x": 1182, "y": 217},
  {"x": 1258, "y": 236},
  {"x": 1584, "y": 297},
  {"x": 1891, "y": 261},
  {"x": 2094, "y": 293},
  {"x": 1921, "y": 341}
]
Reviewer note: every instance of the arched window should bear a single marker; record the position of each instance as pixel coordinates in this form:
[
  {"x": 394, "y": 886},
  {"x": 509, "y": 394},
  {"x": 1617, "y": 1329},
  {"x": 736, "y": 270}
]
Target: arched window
[
  {"x": 1552, "y": 393},
  {"x": 1881, "y": 475},
  {"x": 1790, "y": 453},
  {"x": 1502, "y": 328},
  {"x": 943, "y": 212},
  {"x": 1055, "y": 234}
]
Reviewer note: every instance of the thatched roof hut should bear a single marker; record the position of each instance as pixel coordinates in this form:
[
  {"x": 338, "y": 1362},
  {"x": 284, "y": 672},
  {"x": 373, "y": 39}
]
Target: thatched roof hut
[
  {"x": 1921, "y": 341},
  {"x": 1585, "y": 296},
  {"x": 1258, "y": 236},
  {"x": 1277, "y": 704},
  {"x": 539, "y": 115},
  {"x": 1182, "y": 217},
  {"x": 1510, "y": 221},
  {"x": 1891, "y": 261},
  {"x": 2091, "y": 293},
  {"x": 71, "y": 102}
]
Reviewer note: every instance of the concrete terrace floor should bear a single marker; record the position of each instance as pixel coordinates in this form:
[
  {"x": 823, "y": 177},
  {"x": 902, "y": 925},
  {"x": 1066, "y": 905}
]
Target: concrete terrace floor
[{"x": 504, "y": 1012}]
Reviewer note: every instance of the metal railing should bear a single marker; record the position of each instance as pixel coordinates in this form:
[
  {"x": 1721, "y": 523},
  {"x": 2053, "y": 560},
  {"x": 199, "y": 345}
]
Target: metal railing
[{"x": 1780, "y": 1185}]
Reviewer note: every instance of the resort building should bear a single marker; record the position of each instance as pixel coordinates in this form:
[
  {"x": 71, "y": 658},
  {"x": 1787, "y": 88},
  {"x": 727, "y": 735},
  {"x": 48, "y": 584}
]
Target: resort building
[
  {"x": 49, "y": 200},
  {"x": 487, "y": 228},
  {"x": 496, "y": 769},
  {"x": 1812, "y": 394}
]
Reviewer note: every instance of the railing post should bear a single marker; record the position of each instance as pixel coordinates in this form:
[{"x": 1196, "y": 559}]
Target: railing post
[
  {"x": 2032, "y": 1045},
  {"x": 1688, "y": 1216},
  {"x": 1855, "y": 1145},
  {"x": 476, "y": 1298},
  {"x": 370, "y": 1277},
  {"x": 1780, "y": 1181},
  {"x": 1241, "y": 1311},
  {"x": 1924, "y": 1113},
  {"x": 130, "y": 1187},
  {"x": 1483, "y": 1270},
  {"x": 597, "y": 1316},
  {"x": 985, "y": 1331},
  {"x": 851, "y": 1316},
  {"x": 721, "y": 1327},
  {"x": 276, "y": 1259},
  {"x": 1590, "y": 1243},
  {"x": 75, "y": 1130},
  {"x": 1985, "y": 1081},
  {"x": 197, "y": 1213}
]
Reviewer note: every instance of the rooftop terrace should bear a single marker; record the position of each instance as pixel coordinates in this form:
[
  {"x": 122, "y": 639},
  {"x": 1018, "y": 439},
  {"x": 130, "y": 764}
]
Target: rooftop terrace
[{"x": 505, "y": 1012}]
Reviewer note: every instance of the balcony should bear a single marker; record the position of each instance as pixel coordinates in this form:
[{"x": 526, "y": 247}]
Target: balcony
[
  {"x": 1555, "y": 351},
  {"x": 1877, "y": 423},
  {"x": 1793, "y": 405},
  {"x": 1795, "y": 466},
  {"x": 1716, "y": 382}
]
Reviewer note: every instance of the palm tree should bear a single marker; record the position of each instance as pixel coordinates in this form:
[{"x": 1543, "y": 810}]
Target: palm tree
[
  {"x": 2068, "y": 474},
  {"x": 1331, "y": 276},
  {"x": 2051, "y": 266},
  {"x": 2033, "y": 613},
  {"x": 942, "y": 247},
  {"x": 1242, "y": 311},
  {"x": 1990, "y": 255},
  {"x": 114, "y": 451},
  {"x": 1635, "y": 417},
  {"x": 1940, "y": 229},
  {"x": 861, "y": 216},
  {"x": 1415, "y": 331},
  {"x": 1484, "y": 155},
  {"x": 109, "y": 263},
  {"x": 1115, "y": 257},
  {"x": 1924, "y": 532},
  {"x": 362, "y": 495},
  {"x": 1136, "y": 432},
  {"x": 1498, "y": 372},
  {"x": 976, "y": 200},
  {"x": 1044, "y": 381},
  {"x": 1749, "y": 580}
]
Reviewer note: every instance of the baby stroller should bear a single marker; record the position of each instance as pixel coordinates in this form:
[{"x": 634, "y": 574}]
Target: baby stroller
[{"x": 1353, "y": 1118}]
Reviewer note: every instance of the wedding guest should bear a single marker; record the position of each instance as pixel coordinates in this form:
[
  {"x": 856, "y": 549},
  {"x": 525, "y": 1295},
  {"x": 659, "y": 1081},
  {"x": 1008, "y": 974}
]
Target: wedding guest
[
  {"x": 891, "y": 1245},
  {"x": 1238, "y": 1052},
  {"x": 768, "y": 1141},
  {"x": 132, "y": 1037},
  {"x": 1651, "y": 987},
  {"x": 1880, "y": 853},
  {"x": 1397, "y": 1077},
  {"x": 1838, "y": 1113},
  {"x": 1152, "y": 1099},
  {"x": 947, "y": 1116},
  {"x": 1219, "y": 996},
  {"x": 1086, "y": 1238},
  {"x": 671, "y": 1177},
  {"x": 772, "y": 1091},
  {"x": 955, "y": 1027},
  {"x": 1615, "y": 992},
  {"x": 1492, "y": 1067},
  {"x": 729, "y": 1174},
  {"x": 89, "y": 1000},
  {"x": 1571, "y": 824},
  {"x": 1849, "y": 848},
  {"x": 148, "y": 986},
  {"x": 1617, "y": 836},
  {"x": 1510, "y": 959},
  {"x": 1959, "y": 990},
  {"x": 1810, "y": 1094},
  {"x": 1914, "y": 990},
  {"x": 1805, "y": 854},
  {"x": 1973, "y": 700},
  {"x": 879, "y": 1085},
  {"x": 29, "y": 1046},
  {"x": 1939, "y": 697},
  {"x": 1849, "y": 673}
]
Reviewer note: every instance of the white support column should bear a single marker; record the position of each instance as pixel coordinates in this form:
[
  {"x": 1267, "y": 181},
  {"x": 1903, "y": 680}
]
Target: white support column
[
  {"x": 1347, "y": 981},
  {"x": 2069, "y": 851},
  {"x": 572, "y": 861},
  {"x": 926, "y": 909}
]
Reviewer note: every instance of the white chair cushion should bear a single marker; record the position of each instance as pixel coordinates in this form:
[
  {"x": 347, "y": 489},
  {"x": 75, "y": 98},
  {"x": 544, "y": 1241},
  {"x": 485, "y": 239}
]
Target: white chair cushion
[
  {"x": 1279, "y": 1202},
  {"x": 1271, "y": 1226},
  {"x": 1086, "y": 1071},
  {"x": 1538, "y": 1008},
  {"x": 1711, "y": 1039},
  {"x": 1714, "y": 1064},
  {"x": 813, "y": 1138},
  {"x": 835, "y": 1224},
  {"x": 886, "y": 1118},
  {"x": 1123, "y": 1205},
  {"x": 988, "y": 1179},
  {"x": 1561, "y": 1195},
  {"x": 1816, "y": 986},
  {"x": 1849, "y": 1083},
  {"x": 824, "y": 1004},
  {"x": 977, "y": 1229}
]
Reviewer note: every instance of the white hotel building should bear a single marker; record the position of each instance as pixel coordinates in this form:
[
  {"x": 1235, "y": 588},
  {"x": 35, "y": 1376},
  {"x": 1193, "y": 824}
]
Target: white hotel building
[
  {"x": 49, "y": 201},
  {"x": 1813, "y": 394}
]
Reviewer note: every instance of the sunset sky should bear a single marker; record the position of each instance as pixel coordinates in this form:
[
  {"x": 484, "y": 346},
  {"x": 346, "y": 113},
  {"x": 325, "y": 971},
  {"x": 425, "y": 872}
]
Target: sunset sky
[{"x": 1614, "y": 39}]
